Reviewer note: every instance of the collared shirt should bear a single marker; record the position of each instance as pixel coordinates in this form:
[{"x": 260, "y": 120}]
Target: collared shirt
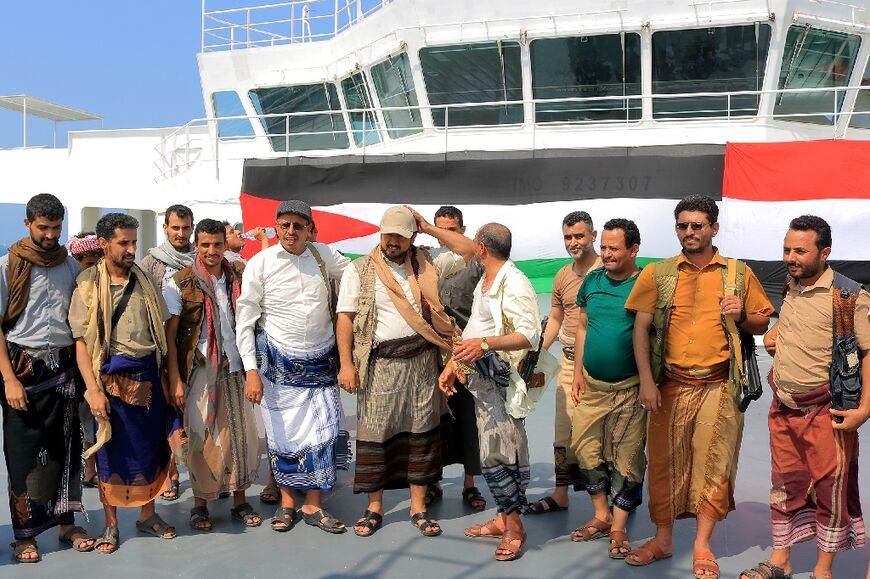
[
  {"x": 566, "y": 284},
  {"x": 390, "y": 323},
  {"x": 132, "y": 336},
  {"x": 805, "y": 332},
  {"x": 696, "y": 337},
  {"x": 284, "y": 294},
  {"x": 43, "y": 323},
  {"x": 172, "y": 296}
]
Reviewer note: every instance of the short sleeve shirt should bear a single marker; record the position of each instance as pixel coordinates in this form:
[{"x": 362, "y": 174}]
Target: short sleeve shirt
[
  {"x": 696, "y": 337},
  {"x": 566, "y": 284},
  {"x": 608, "y": 353}
]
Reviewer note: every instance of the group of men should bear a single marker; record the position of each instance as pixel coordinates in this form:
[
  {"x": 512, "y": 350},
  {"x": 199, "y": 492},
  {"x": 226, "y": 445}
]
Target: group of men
[{"x": 173, "y": 357}]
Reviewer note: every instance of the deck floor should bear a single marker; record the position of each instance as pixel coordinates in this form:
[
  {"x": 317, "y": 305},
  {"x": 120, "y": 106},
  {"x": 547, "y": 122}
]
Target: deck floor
[{"x": 397, "y": 550}]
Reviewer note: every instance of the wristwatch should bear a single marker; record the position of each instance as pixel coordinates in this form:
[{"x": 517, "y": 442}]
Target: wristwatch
[{"x": 484, "y": 345}]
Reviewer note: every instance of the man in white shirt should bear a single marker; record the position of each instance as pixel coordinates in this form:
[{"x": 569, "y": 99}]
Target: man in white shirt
[
  {"x": 503, "y": 326},
  {"x": 391, "y": 326},
  {"x": 286, "y": 340},
  {"x": 206, "y": 382}
]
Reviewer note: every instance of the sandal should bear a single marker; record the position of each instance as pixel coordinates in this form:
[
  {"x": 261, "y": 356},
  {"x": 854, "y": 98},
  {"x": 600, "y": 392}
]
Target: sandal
[
  {"x": 425, "y": 523},
  {"x": 270, "y": 494},
  {"x": 473, "y": 498},
  {"x": 618, "y": 543},
  {"x": 506, "y": 544},
  {"x": 545, "y": 505},
  {"x": 92, "y": 482},
  {"x": 599, "y": 529},
  {"x": 70, "y": 539},
  {"x": 371, "y": 521},
  {"x": 485, "y": 530},
  {"x": 330, "y": 525},
  {"x": 648, "y": 553},
  {"x": 433, "y": 493},
  {"x": 705, "y": 561},
  {"x": 156, "y": 527},
  {"x": 109, "y": 537},
  {"x": 199, "y": 519},
  {"x": 765, "y": 570},
  {"x": 246, "y": 514},
  {"x": 25, "y": 547},
  {"x": 172, "y": 493},
  {"x": 283, "y": 520}
]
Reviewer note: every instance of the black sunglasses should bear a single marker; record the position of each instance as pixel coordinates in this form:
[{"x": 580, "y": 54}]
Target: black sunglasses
[
  {"x": 695, "y": 225},
  {"x": 285, "y": 225}
]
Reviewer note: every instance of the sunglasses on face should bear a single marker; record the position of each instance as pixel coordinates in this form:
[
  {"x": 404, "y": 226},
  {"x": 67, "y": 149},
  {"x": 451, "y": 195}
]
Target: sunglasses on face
[
  {"x": 695, "y": 225},
  {"x": 285, "y": 225}
]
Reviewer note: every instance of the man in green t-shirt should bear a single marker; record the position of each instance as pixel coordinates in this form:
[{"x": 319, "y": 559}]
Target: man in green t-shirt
[{"x": 609, "y": 425}]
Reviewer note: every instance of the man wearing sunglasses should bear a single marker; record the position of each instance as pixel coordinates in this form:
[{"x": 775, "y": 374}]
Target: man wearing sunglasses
[{"x": 694, "y": 424}]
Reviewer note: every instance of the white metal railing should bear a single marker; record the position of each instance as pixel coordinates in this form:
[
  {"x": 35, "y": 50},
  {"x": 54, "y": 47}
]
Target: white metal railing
[
  {"x": 198, "y": 141},
  {"x": 281, "y": 23}
]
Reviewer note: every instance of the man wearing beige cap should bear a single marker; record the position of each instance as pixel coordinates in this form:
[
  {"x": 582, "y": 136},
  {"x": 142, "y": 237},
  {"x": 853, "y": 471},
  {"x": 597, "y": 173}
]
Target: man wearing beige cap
[{"x": 391, "y": 326}]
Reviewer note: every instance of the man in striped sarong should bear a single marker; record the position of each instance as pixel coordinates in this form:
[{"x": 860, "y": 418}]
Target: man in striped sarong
[
  {"x": 286, "y": 340},
  {"x": 391, "y": 325},
  {"x": 609, "y": 425}
]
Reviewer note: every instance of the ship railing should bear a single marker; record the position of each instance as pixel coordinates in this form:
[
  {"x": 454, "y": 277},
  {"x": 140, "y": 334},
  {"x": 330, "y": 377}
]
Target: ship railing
[
  {"x": 278, "y": 23},
  {"x": 199, "y": 142}
]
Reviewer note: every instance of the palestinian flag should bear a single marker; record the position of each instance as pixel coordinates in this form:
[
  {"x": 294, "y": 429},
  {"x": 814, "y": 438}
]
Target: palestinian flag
[{"x": 530, "y": 193}]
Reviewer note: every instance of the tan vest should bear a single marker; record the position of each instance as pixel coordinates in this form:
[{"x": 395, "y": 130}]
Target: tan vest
[{"x": 365, "y": 320}]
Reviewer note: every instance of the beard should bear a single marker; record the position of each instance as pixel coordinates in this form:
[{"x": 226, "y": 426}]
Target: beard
[
  {"x": 45, "y": 243},
  {"x": 122, "y": 264},
  {"x": 808, "y": 271}
]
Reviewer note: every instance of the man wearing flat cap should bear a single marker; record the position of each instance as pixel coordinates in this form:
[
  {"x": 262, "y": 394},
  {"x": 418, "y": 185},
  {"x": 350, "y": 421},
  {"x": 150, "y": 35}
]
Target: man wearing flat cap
[
  {"x": 286, "y": 338},
  {"x": 391, "y": 326}
]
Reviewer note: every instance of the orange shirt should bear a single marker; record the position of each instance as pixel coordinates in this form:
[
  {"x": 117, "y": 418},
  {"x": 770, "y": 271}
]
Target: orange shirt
[{"x": 696, "y": 337}]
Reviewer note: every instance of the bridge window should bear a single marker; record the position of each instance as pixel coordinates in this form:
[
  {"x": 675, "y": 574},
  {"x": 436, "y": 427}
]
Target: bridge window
[
  {"x": 395, "y": 87},
  {"x": 727, "y": 59},
  {"x": 307, "y": 132},
  {"x": 228, "y": 104},
  {"x": 474, "y": 73},
  {"x": 363, "y": 123},
  {"x": 815, "y": 59},
  {"x": 586, "y": 67},
  {"x": 862, "y": 104}
]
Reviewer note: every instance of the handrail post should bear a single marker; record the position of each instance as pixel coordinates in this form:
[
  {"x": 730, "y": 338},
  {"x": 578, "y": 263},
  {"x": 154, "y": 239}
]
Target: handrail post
[
  {"x": 335, "y": 20},
  {"x": 217, "y": 142},
  {"x": 248, "y": 28},
  {"x": 728, "y": 105},
  {"x": 202, "y": 34},
  {"x": 834, "y": 113},
  {"x": 446, "y": 128},
  {"x": 287, "y": 134},
  {"x": 186, "y": 146}
]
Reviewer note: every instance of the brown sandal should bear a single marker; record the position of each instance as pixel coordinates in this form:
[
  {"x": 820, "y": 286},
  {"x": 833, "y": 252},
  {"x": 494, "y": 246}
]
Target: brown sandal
[
  {"x": 508, "y": 538},
  {"x": 25, "y": 547},
  {"x": 648, "y": 553},
  {"x": 705, "y": 561},
  {"x": 485, "y": 530},
  {"x": 618, "y": 541},
  {"x": 581, "y": 534}
]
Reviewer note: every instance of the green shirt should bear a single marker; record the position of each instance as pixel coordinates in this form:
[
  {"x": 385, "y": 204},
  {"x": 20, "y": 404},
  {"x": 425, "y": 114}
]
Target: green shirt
[{"x": 608, "y": 352}]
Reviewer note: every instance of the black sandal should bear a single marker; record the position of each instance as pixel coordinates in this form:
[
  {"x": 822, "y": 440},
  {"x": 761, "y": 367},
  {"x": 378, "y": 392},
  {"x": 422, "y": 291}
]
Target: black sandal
[
  {"x": 537, "y": 507},
  {"x": 473, "y": 499},
  {"x": 433, "y": 493},
  {"x": 283, "y": 520},
  {"x": 110, "y": 537},
  {"x": 246, "y": 514},
  {"x": 371, "y": 521},
  {"x": 198, "y": 516},
  {"x": 173, "y": 492},
  {"x": 765, "y": 570},
  {"x": 156, "y": 527},
  {"x": 427, "y": 523},
  {"x": 330, "y": 525}
]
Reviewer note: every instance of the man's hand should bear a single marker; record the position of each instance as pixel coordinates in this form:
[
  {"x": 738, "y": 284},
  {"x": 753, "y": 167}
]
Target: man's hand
[
  {"x": 99, "y": 403},
  {"x": 650, "y": 397},
  {"x": 730, "y": 306},
  {"x": 348, "y": 378},
  {"x": 852, "y": 419},
  {"x": 468, "y": 351},
  {"x": 579, "y": 388},
  {"x": 447, "y": 379},
  {"x": 423, "y": 226},
  {"x": 253, "y": 386},
  {"x": 176, "y": 394},
  {"x": 16, "y": 396},
  {"x": 259, "y": 233}
]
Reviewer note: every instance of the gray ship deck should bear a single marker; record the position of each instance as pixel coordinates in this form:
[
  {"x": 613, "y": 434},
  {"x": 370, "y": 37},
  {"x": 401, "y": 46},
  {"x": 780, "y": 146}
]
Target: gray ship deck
[{"x": 397, "y": 550}]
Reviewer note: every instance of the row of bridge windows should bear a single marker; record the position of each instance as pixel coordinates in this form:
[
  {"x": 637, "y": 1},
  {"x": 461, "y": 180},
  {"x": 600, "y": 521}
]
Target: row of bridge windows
[{"x": 604, "y": 70}]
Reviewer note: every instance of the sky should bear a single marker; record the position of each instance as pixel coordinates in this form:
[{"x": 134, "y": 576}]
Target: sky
[{"x": 132, "y": 62}]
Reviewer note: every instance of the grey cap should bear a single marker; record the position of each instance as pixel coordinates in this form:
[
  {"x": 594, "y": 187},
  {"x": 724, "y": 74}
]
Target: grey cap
[
  {"x": 295, "y": 207},
  {"x": 238, "y": 226}
]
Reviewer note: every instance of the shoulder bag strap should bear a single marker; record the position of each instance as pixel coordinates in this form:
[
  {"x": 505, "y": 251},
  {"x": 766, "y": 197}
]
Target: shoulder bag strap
[{"x": 125, "y": 299}]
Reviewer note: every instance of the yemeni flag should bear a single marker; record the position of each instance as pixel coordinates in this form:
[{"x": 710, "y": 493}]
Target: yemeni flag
[{"x": 760, "y": 187}]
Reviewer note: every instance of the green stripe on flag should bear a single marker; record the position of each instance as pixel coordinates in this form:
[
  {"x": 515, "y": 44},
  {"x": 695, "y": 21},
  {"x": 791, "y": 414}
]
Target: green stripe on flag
[{"x": 542, "y": 271}]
